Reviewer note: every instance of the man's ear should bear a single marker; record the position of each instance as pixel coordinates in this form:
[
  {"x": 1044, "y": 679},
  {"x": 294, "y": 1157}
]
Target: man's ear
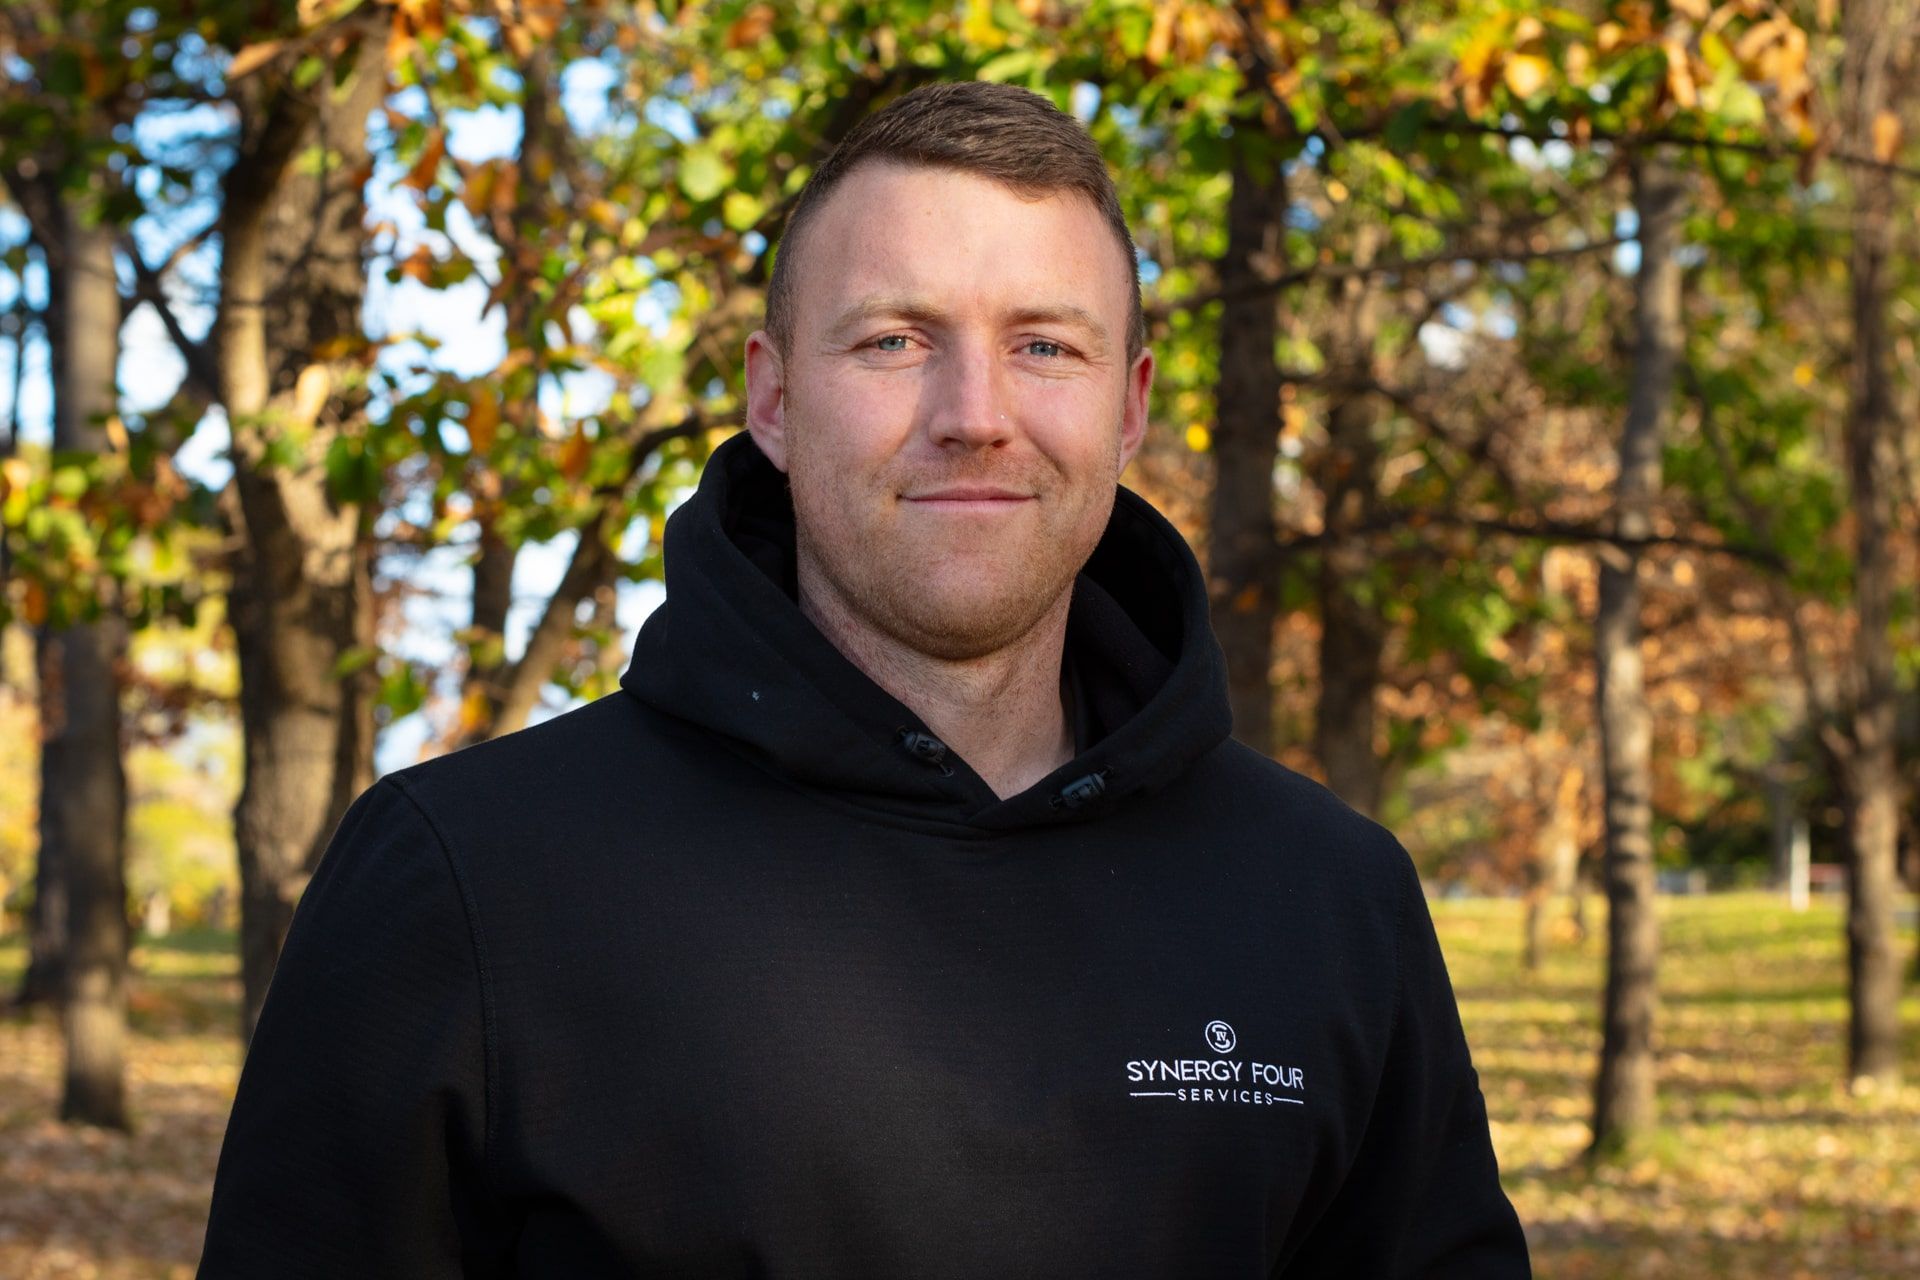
[
  {"x": 767, "y": 397},
  {"x": 1133, "y": 416}
]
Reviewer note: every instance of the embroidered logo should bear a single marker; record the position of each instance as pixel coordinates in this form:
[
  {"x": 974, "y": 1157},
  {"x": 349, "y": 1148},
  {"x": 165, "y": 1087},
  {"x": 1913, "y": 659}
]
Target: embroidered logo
[{"x": 1220, "y": 1078}]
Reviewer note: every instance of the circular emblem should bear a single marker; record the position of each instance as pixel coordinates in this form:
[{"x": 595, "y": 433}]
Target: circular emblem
[{"x": 1220, "y": 1037}]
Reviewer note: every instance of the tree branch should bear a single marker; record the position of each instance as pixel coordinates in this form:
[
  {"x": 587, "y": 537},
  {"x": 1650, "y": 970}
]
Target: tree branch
[
  {"x": 202, "y": 367},
  {"x": 1545, "y": 530},
  {"x": 1347, "y": 271}
]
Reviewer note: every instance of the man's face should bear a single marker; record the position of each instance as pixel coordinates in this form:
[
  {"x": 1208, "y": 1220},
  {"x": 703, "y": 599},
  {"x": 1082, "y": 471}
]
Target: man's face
[{"x": 957, "y": 406}]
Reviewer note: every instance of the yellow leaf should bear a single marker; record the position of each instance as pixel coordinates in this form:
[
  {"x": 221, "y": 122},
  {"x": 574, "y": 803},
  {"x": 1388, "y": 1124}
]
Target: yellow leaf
[
  {"x": 1160, "y": 39},
  {"x": 483, "y": 417},
  {"x": 475, "y": 711},
  {"x": 1198, "y": 437},
  {"x": 310, "y": 391},
  {"x": 979, "y": 28},
  {"x": 1803, "y": 374},
  {"x": 606, "y": 213},
  {"x": 1680, "y": 74},
  {"x": 1526, "y": 74},
  {"x": 477, "y": 193}
]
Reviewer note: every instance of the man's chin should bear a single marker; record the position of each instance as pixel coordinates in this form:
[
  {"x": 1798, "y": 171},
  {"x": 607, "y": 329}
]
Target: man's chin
[{"x": 964, "y": 626}]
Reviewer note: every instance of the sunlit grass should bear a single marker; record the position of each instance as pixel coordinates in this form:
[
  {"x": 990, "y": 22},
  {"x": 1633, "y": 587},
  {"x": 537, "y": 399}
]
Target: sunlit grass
[{"x": 1764, "y": 1165}]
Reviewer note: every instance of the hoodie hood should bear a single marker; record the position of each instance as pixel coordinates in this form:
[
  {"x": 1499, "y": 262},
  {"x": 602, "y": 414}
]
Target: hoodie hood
[{"x": 731, "y": 651}]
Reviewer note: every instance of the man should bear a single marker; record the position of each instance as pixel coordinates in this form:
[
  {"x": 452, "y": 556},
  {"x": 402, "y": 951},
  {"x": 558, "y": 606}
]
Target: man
[{"x": 908, "y": 913}]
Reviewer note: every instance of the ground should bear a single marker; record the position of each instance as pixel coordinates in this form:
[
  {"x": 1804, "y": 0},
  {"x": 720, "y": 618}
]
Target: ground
[{"x": 1764, "y": 1165}]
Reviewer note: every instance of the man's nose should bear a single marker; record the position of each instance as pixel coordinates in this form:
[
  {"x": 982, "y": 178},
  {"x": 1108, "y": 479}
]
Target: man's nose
[{"x": 969, "y": 406}]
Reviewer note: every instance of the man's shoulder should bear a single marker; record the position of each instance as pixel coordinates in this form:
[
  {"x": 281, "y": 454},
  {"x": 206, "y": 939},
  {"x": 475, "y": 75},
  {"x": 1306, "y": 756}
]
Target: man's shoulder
[
  {"x": 566, "y": 764},
  {"x": 1303, "y": 818}
]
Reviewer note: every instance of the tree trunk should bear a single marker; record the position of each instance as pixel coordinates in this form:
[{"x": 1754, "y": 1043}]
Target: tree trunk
[
  {"x": 45, "y": 977},
  {"x": 1623, "y": 1105},
  {"x": 1241, "y": 557},
  {"x": 292, "y": 280},
  {"x": 83, "y": 788},
  {"x": 1874, "y": 33},
  {"x": 1352, "y": 632},
  {"x": 1554, "y": 873}
]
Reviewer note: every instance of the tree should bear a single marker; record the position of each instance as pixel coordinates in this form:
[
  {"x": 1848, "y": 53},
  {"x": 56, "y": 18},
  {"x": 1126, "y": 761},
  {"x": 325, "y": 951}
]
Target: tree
[
  {"x": 1624, "y": 1084},
  {"x": 1876, "y": 61},
  {"x": 62, "y": 185},
  {"x": 288, "y": 345},
  {"x": 1241, "y": 566}
]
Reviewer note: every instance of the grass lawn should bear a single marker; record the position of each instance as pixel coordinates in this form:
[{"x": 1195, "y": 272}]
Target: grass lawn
[{"x": 1764, "y": 1166}]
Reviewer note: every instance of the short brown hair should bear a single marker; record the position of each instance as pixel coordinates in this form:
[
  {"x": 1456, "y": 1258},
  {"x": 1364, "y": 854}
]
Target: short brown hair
[{"x": 999, "y": 131}]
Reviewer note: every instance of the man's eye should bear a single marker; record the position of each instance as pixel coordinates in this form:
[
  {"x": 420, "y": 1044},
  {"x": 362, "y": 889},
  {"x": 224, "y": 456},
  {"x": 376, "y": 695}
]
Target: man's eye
[
  {"x": 1049, "y": 348},
  {"x": 900, "y": 338}
]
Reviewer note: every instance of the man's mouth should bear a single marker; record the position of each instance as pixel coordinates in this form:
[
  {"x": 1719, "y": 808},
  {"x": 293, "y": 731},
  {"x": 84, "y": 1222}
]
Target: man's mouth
[{"x": 968, "y": 493}]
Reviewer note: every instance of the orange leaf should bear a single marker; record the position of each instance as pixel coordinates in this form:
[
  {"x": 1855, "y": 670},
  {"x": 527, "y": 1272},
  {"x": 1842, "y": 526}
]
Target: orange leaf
[
  {"x": 575, "y": 454},
  {"x": 542, "y": 20},
  {"x": 421, "y": 176},
  {"x": 483, "y": 417},
  {"x": 1680, "y": 74},
  {"x": 252, "y": 58},
  {"x": 419, "y": 265},
  {"x": 506, "y": 188},
  {"x": 1886, "y": 136},
  {"x": 750, "y": 27},
  {"x": 34, "y": 607},
  {"x": 1160, "y": 39}
]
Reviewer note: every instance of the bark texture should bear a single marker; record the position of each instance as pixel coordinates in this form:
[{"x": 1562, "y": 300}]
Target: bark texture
[
  {"x": 1624, "y": 1102},
  {"x": 292, "y": 281},
  {"x": 1352, "y": 631},
  {"x": 83, "y": 786},
  {"x": 1875, "y": 35},
  {"x": 38, "y": 197},
  {"x": 1242, "y": 561}
]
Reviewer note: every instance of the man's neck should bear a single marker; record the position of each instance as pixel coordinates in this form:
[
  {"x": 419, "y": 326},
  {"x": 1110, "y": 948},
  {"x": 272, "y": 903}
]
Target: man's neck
[{"x": 1001, "y": 713}]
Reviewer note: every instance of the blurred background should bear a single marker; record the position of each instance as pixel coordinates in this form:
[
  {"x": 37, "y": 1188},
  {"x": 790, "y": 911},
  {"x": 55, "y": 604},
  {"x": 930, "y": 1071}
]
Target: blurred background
[{"x": 1537, "y": 382}]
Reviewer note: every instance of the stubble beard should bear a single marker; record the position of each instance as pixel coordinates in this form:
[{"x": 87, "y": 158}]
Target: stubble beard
[{"x": 863, "y": 578}]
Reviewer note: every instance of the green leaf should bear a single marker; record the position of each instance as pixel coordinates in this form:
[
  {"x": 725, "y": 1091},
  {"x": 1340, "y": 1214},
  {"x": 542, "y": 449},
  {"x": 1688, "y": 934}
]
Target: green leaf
[{"x": 704, "y": 174}]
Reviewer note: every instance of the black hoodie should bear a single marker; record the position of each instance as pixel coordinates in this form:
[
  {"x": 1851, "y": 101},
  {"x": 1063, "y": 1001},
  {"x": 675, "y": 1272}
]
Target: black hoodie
[{"x": 738, "y": 972}]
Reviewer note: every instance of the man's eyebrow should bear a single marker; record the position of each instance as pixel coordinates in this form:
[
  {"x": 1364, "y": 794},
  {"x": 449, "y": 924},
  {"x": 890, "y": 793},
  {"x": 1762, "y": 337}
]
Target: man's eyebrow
[
  {"x": 886, "y": 306},
  {"x": 919, "y": 310},
  {"x": 1061, "y": 313}
]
